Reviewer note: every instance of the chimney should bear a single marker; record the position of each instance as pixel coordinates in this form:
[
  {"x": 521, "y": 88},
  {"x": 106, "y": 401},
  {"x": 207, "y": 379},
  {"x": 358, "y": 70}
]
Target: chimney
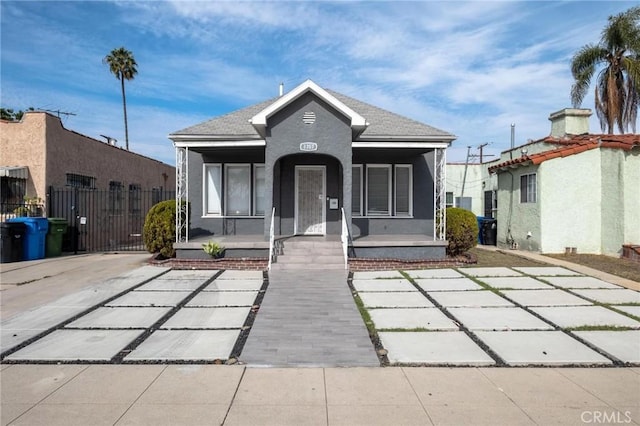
[
  {"x": 281, "y": 89},
  {"x": 569, "y": 121}
]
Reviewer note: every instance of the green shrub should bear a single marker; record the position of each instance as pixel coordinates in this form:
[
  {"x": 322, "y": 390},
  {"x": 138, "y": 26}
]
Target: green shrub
[
  {"x": 462, "y": 230},
  {"x": 159, "y": 232},
  {"x": 213, "y": 249}
]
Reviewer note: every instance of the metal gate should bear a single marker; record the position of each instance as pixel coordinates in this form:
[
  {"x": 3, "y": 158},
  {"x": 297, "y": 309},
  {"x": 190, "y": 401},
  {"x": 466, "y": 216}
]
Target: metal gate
[{"x": 103, "y": 220}]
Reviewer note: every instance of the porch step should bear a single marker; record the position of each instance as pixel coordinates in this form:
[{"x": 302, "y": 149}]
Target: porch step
[{"x": 309, "y": 254}]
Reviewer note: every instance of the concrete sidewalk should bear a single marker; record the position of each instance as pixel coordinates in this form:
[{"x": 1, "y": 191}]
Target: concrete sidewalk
[{"x": 235, "y": 395}]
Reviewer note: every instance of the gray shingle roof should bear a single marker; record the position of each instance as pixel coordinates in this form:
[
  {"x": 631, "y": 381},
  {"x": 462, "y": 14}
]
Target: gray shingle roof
[{"x": 382, "y": 123}]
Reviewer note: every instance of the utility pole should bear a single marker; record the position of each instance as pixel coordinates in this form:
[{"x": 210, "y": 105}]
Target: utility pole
[
  {"x": 480, "y": 148},
  {"x": 464, "y": 177}
]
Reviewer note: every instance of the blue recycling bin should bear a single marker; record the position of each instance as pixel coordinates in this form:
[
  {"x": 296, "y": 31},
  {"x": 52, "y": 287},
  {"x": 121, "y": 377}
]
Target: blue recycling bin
[
  {"x": 33, "y": 245},
  {"x": 480, "y": 236}
]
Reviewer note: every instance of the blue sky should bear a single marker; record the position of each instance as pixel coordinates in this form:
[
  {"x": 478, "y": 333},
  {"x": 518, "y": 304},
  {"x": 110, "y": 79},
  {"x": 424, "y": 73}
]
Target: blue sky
[{"x": 470, "y": 68}]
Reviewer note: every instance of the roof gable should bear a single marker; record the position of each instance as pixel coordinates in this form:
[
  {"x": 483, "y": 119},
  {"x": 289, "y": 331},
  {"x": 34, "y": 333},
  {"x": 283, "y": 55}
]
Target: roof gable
[{"x": 259, "y": 121}]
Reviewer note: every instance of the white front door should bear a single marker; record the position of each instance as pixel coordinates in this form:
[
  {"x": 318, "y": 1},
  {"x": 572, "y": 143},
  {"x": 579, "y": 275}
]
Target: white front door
[{"x": 310, "y": 200}]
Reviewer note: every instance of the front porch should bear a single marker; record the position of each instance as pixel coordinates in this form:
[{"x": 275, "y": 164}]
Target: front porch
[{"x": 410, "y": 247}]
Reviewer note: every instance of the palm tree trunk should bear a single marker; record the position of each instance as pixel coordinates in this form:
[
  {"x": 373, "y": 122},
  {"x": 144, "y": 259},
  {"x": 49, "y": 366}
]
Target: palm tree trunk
[{"x": 124, "y": 107}]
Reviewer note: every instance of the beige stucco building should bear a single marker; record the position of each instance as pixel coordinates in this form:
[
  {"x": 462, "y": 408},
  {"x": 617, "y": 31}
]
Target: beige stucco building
[{"x": 41, "y": 153}]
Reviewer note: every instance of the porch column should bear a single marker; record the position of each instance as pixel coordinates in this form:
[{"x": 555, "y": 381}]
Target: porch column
[
  {"x": 182, "y": 194},
  {"x": 346, "y": 189},
  {"x": 269, "y": 163}
]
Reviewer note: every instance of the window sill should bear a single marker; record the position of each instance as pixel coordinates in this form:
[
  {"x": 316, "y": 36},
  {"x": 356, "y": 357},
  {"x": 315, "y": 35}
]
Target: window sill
[
  {"x": 212, "y": 216},
  {"x": 382, "y": 217}
]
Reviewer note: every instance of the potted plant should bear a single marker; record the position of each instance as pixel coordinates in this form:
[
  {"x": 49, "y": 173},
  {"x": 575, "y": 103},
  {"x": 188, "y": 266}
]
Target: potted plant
[{"x": 213, "y": 249}]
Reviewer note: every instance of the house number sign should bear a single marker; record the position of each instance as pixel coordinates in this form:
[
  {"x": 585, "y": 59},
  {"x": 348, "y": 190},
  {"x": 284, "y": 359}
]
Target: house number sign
[{"x": 308, "y": 146}]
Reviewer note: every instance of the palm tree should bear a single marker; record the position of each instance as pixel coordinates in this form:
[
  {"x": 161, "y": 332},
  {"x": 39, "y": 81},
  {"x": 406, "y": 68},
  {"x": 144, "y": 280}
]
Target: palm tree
[
  {"x": 618, "y": 86},
  {"x": 123, "y": 65}
]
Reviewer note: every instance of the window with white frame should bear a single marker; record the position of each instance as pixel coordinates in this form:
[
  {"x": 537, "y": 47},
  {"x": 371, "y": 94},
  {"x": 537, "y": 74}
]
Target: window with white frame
[
  {"x": 403, "y": 190},
  {"x": 356, "y": 190},
  {"x": 449, "y": 199},
  {"x": 234, "y": 189},
  {"x": 528, "y": 188},
  {"x": 378, "y": 189},
  {"x": 212, "y": 189},
  {"x": 258, "y": 189}
]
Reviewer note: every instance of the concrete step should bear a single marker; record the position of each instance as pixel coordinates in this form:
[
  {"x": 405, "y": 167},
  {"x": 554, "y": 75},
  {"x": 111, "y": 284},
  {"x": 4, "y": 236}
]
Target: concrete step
[
  {"x": 305, "y": 244},
  {"x": 312, "y": 251},
  {"x": 303, "y": 266},
  {"x": 324, "y": 259}
]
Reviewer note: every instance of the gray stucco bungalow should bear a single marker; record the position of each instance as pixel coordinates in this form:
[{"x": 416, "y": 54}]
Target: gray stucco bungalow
[{"x": 313, "y": 162}]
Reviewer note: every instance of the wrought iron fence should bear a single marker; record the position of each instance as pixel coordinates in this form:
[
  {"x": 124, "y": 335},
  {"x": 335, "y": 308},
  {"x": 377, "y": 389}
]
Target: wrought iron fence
[{"x": 103, "y": 220}]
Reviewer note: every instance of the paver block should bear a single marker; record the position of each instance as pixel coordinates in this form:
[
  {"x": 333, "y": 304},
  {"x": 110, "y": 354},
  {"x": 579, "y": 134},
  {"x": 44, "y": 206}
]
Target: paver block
[
  {"x": 150, "y": 298},
  {"x": 612, "y": 296},
  {"x": 577, "y": 316},
  {"x": 383, "y": 285},
  {"x": 488, "y": 318},
  {"x": 224, "y": 298},
  {"x": 515, "y": 283},
  {"x": 434, "y": 273},
  {"x": 189, "y": 274},
  {"x": 160, "y": 284},
  {"x": 469, "y": 298},
  {"x": 411, "y": 318},
  {"x": 73, "y": 345},
  {"x": 241, "y": 275},
  {"x": 369, "y": 275},
  {"x": 449, "y": 284},
  {"x": 490, "y": 272},
  {"x": 633, "y": 310},
  {"x": 435, "y": 347},
  {"x": 540, "y": 347},
  {"x": 553, "y": 297},
  {"x": 119, "y": 318},
  {"x": 395, "y": 300},
  {"x": 579, "y": 282},
  {"x": 234, "y": 285},
  {"x": 545, "y": 271},
  {"x": 624, "y": 345},
  {"x": 195, "y": 318},
  {"x": 186, "y": 345}
]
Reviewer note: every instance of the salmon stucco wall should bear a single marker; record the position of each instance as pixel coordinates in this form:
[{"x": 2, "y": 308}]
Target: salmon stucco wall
[
  {"x": 21, "y": 144},
  {"x": 41, "y": 143}
]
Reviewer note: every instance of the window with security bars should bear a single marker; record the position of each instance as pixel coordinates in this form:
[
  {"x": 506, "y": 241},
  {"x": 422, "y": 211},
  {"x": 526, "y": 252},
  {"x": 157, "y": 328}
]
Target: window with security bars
[
  {"x": 528, "y": 188},
  {"x": 75, "y": 180},
  {"x": 115, "y": 197},
  {"x": 135, "y": 198}
]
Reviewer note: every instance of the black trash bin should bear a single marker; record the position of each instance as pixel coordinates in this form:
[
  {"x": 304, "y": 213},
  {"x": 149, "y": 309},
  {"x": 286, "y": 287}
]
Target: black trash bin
[
  {"x": 490, "y": 231},
  {"x": 13, "y": 234}
]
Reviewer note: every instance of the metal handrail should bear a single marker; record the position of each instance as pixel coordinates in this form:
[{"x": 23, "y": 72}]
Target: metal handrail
[
  {"x": 345, "y": 237},
  {"x": 271, "y": 237}
]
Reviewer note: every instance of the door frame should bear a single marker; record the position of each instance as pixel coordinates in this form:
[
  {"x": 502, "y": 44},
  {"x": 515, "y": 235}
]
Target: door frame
[{"x": 322, "y": 168}]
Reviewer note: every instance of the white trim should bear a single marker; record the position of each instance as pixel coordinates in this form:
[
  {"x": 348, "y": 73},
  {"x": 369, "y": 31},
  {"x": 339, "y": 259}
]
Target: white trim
[
  {"x": 395, "y": 187},
  {"x": 361, "y": 172},
  {"x": 260, "y": 119},
  {"x": 202, "y": 142},
  {"x": 400, "y": 144},
  {"x": 389, "y": 190},
  {"x": 324, "y": 195},
  {"x": 205, "y": 189}
]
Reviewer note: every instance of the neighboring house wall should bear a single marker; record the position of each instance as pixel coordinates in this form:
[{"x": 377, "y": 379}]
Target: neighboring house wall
[
  {"x": 476, "y": 182},
  {"x": 21, "y": 144},
  {"x": 570, "y": 200},
  {"x": 515, "y": 218},
  {"x": 50, "y": 151},
  {"x": 631, "y": 192}
]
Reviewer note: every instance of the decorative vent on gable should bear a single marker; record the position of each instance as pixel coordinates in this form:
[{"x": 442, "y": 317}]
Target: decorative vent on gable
[{"x": 309, "y": 117}]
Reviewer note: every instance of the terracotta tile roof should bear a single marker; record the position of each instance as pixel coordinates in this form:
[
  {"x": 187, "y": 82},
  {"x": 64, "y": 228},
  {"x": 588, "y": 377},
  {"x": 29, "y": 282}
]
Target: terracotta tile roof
[{"x": 574, "y": 144}]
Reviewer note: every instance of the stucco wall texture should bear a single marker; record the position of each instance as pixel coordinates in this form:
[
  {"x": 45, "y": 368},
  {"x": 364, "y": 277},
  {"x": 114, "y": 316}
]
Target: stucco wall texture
[
  {"x": 589, "y": 201},
  {"x": 50, "y": 151}
]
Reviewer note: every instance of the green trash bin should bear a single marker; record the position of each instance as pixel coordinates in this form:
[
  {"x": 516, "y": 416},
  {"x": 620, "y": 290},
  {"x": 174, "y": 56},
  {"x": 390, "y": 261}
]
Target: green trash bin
[{"x": 57, "y": 228}]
